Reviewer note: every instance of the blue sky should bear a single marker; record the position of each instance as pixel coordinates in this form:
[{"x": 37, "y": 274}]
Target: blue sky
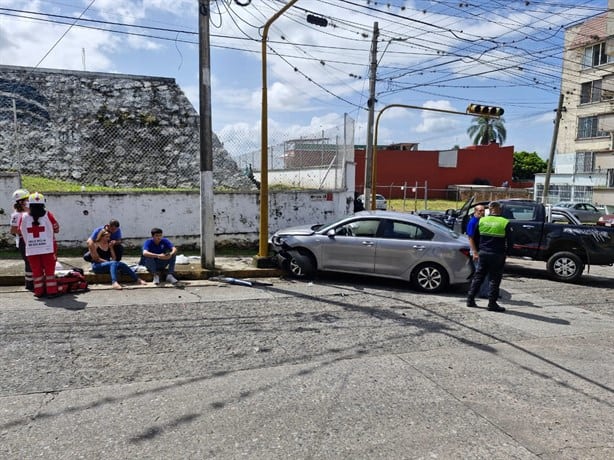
[{"x": 442, "y": 54}]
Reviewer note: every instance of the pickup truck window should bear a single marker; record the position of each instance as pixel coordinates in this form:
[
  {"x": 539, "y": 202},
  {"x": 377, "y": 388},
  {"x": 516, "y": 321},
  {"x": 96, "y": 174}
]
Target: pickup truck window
[{"x": 519, "y": 211}]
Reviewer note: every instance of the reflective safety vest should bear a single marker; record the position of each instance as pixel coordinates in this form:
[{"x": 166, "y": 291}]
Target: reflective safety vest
[{"x": 493, "y": 226}]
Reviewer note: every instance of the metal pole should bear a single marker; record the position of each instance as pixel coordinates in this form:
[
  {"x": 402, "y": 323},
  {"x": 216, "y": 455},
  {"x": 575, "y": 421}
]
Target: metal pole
[
  {"x": 404, "y": 106},
  {"x": 416, "y": 197},
  {"x": 369, "y": 192},
  {"x": 16, "y": 136},
  {"x": 555, "y": 134},
  {"x": 207, "y": 230},
  {"x": 263, "y": 242}
]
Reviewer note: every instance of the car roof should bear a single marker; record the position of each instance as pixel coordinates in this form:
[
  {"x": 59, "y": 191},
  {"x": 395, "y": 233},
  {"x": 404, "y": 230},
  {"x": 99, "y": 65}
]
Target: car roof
[
  {"x": 392, "y": 215},
  {"x": 377, "y": 195},
  {"x": 567, "y": 203}
]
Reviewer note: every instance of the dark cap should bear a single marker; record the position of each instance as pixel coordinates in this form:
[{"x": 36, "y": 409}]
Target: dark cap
[{"x": 494, "y": 204}]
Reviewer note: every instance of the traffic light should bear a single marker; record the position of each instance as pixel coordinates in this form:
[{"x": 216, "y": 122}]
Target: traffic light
[
  {"x": 317, "y": 20},
  {"x": 487, "y": 110}
]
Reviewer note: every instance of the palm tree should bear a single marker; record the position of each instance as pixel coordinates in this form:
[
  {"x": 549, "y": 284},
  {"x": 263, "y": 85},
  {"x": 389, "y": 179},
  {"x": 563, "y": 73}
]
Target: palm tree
[{"x": 483, "y": 130}]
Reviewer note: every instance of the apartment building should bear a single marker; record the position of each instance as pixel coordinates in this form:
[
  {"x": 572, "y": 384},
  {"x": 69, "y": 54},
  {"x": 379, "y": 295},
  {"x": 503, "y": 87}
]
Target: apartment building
[{"x": 584, "y": 159}]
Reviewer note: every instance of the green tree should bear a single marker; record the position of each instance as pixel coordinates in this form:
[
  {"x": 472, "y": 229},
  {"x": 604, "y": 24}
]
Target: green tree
[
  {"x": 483, "y": 130},
  {"x": 526, "y": 165}
]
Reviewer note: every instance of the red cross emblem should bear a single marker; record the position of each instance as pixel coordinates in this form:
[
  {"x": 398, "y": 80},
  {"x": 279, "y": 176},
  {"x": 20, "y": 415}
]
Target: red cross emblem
[{"x": 36, "y": 230}]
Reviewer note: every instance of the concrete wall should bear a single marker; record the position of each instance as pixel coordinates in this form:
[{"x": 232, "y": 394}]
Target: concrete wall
[
  {"x": 178, "y": 214},
  {"x": 9, "y": 182},
  {"x": 491, "y": 163},
  {"x": 105, "y": 129}
]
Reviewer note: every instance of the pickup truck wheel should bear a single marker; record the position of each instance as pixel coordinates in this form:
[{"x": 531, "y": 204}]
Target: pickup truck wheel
[
  {"x": 430, "y": 277},
  {"x": 299, "y": 265},
  {"x": 565, "y": 266}
]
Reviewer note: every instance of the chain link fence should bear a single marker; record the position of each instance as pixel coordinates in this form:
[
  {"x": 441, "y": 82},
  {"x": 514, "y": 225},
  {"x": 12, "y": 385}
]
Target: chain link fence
[
  {"x": 105, "y": 130},
  {"x": 128, "y": 131},
  {"x": 301, "y": 158}
]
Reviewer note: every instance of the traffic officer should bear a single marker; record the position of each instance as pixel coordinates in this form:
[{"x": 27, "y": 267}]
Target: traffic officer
[{"x": 493, "y": 235}]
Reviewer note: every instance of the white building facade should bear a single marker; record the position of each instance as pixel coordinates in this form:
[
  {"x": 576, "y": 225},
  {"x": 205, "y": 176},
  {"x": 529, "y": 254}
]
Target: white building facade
[{"x": 584, "y": 158}]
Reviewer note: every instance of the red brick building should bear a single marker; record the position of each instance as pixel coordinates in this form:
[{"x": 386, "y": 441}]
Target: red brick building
[{"x": 477, "y": 164}]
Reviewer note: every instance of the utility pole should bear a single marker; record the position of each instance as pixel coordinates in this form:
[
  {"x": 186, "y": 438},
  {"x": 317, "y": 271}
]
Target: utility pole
[
  {"x": 367, "y": 202},
  {"x": 557, "y": 121},
  {"x": 207, "y": 227}
]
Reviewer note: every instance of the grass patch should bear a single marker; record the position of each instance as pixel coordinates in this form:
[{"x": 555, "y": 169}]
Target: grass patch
[
  {"x": 409, "y": 205},
  {"x": 43, "y": 184}
]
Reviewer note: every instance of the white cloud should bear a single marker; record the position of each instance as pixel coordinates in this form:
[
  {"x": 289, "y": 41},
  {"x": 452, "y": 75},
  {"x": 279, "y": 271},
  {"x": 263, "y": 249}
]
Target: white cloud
[{"x": 436, "y": 121}]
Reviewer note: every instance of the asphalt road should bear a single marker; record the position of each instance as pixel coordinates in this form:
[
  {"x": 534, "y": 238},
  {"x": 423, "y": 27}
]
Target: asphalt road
[{"x": 337, "y": 368}]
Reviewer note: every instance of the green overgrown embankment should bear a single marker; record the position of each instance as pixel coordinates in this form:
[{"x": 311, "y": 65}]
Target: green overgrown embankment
[{"x": 43, "y": 184}]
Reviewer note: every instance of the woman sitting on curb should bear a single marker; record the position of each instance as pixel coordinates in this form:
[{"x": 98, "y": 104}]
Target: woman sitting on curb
[{"x": 104, "y": 261}]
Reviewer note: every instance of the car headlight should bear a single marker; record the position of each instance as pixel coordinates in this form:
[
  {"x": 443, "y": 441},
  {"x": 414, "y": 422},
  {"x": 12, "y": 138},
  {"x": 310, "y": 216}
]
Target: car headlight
[{"x": 277, "y": 240}]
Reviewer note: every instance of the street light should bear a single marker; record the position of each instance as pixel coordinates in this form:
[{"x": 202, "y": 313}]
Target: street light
[
  {"x": 263, "y": 244},
  {"x": 473, "y": 110}
]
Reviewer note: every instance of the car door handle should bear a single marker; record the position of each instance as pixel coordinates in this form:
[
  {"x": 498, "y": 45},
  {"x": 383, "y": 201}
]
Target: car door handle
[
  {"x": 418, "y": 247},
  {"x": 368, "y": 243},
  {"x": 528, "y": 226}
]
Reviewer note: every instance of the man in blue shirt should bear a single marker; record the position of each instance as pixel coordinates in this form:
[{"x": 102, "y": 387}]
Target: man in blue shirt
[
  {"x": 159, "y": 254},
  {"x": 116, "y": 238},
  {"x": 478, "y": 213}
]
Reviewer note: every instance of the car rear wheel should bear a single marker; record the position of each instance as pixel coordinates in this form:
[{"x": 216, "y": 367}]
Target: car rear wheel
[
  {"x": 300, "y": 265},
  {"x": 565, "y": 266},
  {"x": 430, "y": 277}
]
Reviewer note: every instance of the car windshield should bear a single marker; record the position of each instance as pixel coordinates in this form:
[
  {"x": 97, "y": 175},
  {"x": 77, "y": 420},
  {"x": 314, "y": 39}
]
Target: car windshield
[
  {"x": 563, "y": 205},
  {"x": 442, "y": 227}
]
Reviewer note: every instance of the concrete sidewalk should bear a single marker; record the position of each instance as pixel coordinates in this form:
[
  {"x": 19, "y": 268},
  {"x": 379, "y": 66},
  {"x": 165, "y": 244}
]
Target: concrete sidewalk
[{"x": 12, "y": 270}]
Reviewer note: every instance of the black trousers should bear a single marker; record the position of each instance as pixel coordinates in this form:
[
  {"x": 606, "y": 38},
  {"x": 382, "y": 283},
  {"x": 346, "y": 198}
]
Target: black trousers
[{"x": 492, "y": 265}]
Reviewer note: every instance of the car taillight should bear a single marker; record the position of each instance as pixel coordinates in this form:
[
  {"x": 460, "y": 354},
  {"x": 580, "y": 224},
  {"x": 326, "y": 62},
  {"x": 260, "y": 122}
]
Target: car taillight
[{"x": 466, "y": 252}]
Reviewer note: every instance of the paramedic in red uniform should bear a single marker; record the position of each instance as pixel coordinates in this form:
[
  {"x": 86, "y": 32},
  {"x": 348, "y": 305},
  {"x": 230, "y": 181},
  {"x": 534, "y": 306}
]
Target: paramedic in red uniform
[{"x": 37, "y": 228}]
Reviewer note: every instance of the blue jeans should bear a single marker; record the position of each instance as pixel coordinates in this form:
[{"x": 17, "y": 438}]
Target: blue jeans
[
  {"x": 113, "y": 267},
  {"x": 157, "y": 265}
]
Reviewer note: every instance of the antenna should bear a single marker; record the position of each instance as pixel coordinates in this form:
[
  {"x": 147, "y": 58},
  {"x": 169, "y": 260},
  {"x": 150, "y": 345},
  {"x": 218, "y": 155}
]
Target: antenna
[{"x": 83, "y": 57}]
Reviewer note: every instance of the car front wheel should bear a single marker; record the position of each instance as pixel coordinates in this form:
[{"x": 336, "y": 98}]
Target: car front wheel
[
  {"x": 299, "y": 265},
  {"x": 565, "y": 266},
  {"x": 430, "y": 277}
]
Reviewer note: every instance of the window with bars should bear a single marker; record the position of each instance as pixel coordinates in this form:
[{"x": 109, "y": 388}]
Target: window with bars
[
  {"x": 589, "y": 127},
  {"x": 595, "y": 55},
  {"x": 584, "y": 162},
  {"x": 591, "y": 92}
]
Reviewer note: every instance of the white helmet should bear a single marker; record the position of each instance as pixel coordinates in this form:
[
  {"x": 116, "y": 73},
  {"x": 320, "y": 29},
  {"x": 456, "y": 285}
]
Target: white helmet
[
  {"x": 20, "y": 194},
  {"x": 36, "y": 198}
]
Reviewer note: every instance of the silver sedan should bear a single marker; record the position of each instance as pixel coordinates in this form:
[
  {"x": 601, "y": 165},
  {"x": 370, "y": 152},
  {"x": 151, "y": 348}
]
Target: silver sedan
[
  {"x": 584, "y": 212},
  {"x": 378, "y": 243}
]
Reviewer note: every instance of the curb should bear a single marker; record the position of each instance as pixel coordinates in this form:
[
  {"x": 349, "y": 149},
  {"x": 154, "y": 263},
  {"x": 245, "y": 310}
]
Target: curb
[{"x": 185, "y": 274}]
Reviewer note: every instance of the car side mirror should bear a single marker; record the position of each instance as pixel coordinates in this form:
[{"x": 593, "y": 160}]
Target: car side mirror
[
  {"x": 331, "y": 233},
  {"x": 451, "y": 213}
]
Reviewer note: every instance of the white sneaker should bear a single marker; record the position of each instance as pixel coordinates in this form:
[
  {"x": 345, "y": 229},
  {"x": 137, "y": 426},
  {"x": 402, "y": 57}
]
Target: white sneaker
[
  {"x": 156, "y": 279},
  {"x": 171, "y": 279}
]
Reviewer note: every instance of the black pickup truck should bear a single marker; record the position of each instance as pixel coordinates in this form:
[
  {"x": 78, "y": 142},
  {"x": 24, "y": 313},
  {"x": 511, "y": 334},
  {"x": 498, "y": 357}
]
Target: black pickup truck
[{"x": 553, "y": 236}]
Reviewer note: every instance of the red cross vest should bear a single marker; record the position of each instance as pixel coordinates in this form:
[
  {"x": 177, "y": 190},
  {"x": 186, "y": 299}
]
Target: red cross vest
[{"x": 38, "y": 238}]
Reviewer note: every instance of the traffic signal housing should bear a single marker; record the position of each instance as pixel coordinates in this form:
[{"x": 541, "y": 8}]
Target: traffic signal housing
[
  {"x": 486, "y": 110},
  {"x": 317, "y": 20}
]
